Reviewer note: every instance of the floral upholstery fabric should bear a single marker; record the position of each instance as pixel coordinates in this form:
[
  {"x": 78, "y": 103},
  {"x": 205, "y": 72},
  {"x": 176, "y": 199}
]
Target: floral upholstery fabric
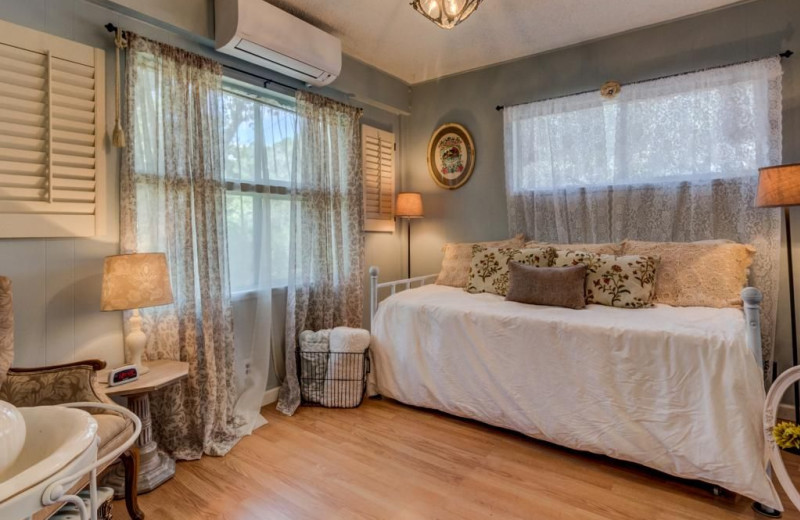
[
  {"x": 621, "y": 281},
  {"x": 6, "y": 328},
  {"x": 488, "y": 271},
  {"x": 458, "y": 258},
  {"x": 50, "y": 387}
]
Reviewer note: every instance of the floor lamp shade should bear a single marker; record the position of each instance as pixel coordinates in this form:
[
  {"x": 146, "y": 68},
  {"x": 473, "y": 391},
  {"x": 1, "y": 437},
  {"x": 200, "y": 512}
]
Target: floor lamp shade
[
  {"x": 409, "y": 205},
  {"x": 778, "y": 186},
  {"x": 131, "y": 282}
]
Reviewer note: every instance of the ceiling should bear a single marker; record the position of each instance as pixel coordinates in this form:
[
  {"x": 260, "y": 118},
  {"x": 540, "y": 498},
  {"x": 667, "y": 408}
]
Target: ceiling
[{"x": 391, "y": 36}]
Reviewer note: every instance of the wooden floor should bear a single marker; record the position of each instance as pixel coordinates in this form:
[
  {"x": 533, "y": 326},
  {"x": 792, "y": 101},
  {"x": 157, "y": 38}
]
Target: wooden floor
[{"x": 388, "y": 461}]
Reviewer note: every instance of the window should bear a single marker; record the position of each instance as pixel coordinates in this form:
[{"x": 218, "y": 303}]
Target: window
[
  {"x": 702, "y": 126},
  {"x": 378, "y": 148},
  {"x": 258, "y": 137},
  {"x": 52, "y": 162}
]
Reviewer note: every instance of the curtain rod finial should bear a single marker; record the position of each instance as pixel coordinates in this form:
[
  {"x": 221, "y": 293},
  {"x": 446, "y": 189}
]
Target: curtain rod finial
[
  {"x": 499, "y": 108},
  {"x": 786, "y": 54},
  {"x": 110, "y": 27}
]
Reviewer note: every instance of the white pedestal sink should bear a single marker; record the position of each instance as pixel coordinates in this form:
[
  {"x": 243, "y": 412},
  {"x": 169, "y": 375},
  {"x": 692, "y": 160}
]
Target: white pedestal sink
[
  {"x": 59, "y": 441},
  {"x": 60, "y": 449},
  {"x": 12, "y": 434}
]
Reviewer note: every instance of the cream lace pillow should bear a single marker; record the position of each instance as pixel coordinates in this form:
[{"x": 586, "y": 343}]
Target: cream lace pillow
[
  {"x": 621, "y": 281},
  {"x": 457, "y": 258},
  {"x": 488, "y": 271},
  {"x": 598, "y": 249},
  {"x": 704, "y": 274}
]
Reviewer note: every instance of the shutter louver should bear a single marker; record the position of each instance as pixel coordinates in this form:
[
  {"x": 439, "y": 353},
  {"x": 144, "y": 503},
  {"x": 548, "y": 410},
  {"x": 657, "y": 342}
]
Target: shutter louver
[
  {"x": 52, "y": 158},
  {"x": 378, "y": 157}
]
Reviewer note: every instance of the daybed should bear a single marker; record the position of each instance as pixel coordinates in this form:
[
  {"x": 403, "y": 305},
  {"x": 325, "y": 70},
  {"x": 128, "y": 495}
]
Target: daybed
[{"x": 677, "y": 389}]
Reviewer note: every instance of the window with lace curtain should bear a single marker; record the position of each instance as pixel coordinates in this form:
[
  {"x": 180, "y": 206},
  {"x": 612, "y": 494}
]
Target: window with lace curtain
[
  {"x": 707, "y": 125},
  {"x": 258, "y": 137}
]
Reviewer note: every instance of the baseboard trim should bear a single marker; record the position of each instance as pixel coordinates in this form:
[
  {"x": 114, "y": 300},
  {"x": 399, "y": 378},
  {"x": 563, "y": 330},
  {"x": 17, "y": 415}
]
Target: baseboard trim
[{"x": 270, "y": 396}]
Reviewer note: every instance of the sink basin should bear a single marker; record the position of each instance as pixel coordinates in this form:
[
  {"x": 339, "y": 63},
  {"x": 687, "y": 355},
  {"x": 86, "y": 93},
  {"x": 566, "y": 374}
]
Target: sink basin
[{"x": 57, "y": 441}]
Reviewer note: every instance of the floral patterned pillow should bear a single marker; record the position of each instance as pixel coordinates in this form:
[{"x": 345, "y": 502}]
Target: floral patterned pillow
[
  {"x": 621, "y": 281},
  {"x": 488, "y": 271}
]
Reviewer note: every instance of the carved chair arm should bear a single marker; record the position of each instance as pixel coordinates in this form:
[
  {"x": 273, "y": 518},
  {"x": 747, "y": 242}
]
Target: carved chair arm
[{"x": 48, "y": 386}]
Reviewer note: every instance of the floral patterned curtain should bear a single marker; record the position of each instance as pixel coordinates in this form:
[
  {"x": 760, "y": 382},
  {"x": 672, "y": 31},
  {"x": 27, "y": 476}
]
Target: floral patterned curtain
[
  {"x": 172, "y": 200},
  {"x": 326, "y": 251}
]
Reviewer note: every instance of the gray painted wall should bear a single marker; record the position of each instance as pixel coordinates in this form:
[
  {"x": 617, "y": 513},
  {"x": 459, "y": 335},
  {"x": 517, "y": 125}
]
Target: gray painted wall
[
  {"x": 57, "y": 281},
  {"x": 477, "y": 211}
]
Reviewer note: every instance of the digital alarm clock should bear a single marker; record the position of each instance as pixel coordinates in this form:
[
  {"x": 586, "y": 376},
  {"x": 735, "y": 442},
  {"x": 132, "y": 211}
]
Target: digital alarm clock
[{"x": 122, "y": 375}]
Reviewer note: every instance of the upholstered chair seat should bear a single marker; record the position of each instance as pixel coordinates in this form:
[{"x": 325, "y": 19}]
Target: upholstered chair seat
[{"x": 70, "y": 383}]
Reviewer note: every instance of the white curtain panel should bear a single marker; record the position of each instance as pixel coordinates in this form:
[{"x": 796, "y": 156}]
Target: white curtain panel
[
  {"x": 259, "y": 146},
  {"x": 674, "y": 159}
]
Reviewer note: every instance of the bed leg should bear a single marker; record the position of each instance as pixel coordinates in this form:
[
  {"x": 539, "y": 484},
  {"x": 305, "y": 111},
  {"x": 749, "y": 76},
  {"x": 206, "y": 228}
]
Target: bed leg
[{"x": 763, "y": 510}]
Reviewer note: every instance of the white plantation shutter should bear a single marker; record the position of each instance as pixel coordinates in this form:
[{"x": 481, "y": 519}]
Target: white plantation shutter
[
  {"x": 52, "y": 159},
  {"x": 379, "y": 177}
]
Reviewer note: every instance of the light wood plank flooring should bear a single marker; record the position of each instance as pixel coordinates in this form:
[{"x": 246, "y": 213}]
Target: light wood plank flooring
[{"x": 388, "y": 461}]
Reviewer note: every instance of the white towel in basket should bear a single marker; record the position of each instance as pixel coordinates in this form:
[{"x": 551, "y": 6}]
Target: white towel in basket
[
  {"x": 344, "y": 381},
  {"x": 313, "y": 363}
]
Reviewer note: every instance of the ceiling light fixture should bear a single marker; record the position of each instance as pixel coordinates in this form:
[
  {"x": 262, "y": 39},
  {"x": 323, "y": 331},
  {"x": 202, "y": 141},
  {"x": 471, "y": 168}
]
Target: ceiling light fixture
[{"x": 446, "y": 13}]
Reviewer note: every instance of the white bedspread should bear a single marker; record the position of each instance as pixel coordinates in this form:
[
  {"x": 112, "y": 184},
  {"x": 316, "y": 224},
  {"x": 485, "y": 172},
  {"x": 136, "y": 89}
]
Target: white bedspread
[{"x": 675, "y": 389}]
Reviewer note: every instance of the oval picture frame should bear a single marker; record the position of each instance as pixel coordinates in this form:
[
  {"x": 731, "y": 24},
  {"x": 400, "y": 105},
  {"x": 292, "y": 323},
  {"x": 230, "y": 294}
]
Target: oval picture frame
[{"x": 451, "y": 156}]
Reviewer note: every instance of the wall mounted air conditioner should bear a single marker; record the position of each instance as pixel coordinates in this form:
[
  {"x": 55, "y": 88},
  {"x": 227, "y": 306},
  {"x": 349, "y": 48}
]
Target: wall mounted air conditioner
[{"x": 260, "y": 33}]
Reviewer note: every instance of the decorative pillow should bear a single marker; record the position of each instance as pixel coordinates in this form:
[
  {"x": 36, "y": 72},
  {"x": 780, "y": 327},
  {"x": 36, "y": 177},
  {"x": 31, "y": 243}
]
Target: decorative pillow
[
  {"x": 598, "y": 249},
  {"x": 569, "y": 258},
  {"x": 555, "y": 286},
  {"x": 6, "y": 328},
  {"x": 621, "y": 281},
  {"x": 489, "y": 269},
  {"x": 709, "y": 273},
  {"x": 457, "y": 258}
]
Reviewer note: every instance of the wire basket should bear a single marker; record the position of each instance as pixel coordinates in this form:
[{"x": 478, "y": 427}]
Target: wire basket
[{"x": 333, "y": 379}]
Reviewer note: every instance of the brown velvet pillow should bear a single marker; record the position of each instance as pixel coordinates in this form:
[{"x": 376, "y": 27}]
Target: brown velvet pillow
[{"x": 555, "y": 286}]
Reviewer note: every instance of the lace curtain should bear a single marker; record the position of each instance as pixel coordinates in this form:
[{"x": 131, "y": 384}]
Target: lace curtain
[
  {"x": 674, "y": 159},
  {"x": 172, "y": 199},
  {"x": 326, "y": 244}
]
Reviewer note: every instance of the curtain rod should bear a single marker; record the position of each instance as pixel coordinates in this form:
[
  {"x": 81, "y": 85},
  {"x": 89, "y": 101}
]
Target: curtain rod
[
  {"x": 785, "y": 54},
  {"x": 110, "y": 27}
]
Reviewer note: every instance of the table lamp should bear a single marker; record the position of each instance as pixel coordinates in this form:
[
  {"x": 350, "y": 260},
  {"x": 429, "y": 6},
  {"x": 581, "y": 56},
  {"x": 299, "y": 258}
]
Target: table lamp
[
  {"x": 132, "y": 282},
  {"x": 779, "y": 187},
  {"x": 408, "y": 206}
]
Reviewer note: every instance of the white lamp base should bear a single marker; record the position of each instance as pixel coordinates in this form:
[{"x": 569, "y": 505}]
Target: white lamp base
[{"x": 135, "y": 342}]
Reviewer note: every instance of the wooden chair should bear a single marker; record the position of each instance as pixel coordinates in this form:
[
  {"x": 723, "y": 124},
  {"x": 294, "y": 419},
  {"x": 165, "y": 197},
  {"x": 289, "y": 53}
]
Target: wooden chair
[{"x": 68, "y": 383}]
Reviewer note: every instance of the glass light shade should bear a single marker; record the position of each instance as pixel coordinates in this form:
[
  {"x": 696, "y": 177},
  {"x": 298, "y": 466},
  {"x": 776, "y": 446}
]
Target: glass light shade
[
  {"x": 778, "y": 186},
  {"x": 446, "y": 13},
  {"x": 409, "y": 205},
  {"x": 135, "y": 281}
]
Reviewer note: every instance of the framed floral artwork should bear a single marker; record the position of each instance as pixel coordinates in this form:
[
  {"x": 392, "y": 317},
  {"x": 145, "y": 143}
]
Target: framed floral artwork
[{"x": 451, "y": 156}]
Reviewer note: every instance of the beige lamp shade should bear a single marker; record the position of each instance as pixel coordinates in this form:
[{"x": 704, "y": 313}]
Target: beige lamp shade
[
  {"x": 135, "y": 281},
  {"x": 778, "y": 186},
  {"x": 409, "y": 205}
]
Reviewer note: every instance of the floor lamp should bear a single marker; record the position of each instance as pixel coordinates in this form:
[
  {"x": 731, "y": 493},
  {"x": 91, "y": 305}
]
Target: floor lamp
[
  {"x": 779, "y": 187},
  {"x": 409, "y": 205}
]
